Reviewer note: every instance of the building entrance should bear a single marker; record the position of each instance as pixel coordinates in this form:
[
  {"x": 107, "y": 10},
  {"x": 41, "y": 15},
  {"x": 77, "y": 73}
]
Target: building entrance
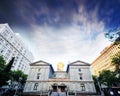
[{"x": 59, "y": 88}]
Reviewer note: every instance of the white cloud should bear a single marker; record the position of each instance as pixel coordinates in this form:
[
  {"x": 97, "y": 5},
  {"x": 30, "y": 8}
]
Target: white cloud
[
  {"x": 70, "y": 43},
  {"x": 67, "y": 44}
]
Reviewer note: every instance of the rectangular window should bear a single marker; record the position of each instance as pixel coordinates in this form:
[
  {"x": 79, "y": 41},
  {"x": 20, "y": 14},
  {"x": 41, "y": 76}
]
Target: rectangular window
[
  {"x": 83, "y": 87},
  {"x": 35, "y": 86},
  {"x": 39, "y": 69},
  {"x": 1, "y": 40},
  {"x": 2, "y": 51},
  {"x": 79, "y": 70},
  {"x": 5, "y": 34},
  {"x": 80, "y": 76},
  {"x": 9, "y": 51},
  {"x": 38, "y": 75}
]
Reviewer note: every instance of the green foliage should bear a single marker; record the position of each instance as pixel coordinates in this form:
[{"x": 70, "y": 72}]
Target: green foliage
[
  {"x": 15, "y": 75},
  {"x": 9, "y": 65},
  {"x": 107, "y": 77},
  {"x": 95, "y": 81},
  {"x": 116, "y": 62},
  {"x": 117, "y": 42},
  {"x": 2, "y": 63},
  {"x": 3, "y": 76},
  {"x": 114, "y": 35},
  {"x": 11, "y": 75}
]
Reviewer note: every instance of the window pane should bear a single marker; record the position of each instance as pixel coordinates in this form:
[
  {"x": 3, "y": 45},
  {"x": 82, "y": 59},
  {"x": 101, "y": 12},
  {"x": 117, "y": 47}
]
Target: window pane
[
  {"x": 83, "y": 87},
  {"x": 39, "y": 69},
  {"x": 79, "y": 70},
  {"x": 80, "y": 76},
  {"x": 38, "y": 75},
  {"x": 35, "y": 86}
]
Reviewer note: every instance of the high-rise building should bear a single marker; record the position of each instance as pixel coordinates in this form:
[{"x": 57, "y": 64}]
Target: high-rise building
[
  {"x": 103, "y": 62},
  {"x": 11, "y": 45},
  {"x": 75, "y": 81}
]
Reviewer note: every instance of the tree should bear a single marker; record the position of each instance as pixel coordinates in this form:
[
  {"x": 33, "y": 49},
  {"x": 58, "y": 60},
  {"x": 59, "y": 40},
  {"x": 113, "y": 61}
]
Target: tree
[
  {"x": 15, "y": 76},
  {"x": 107, "y": 77},
  {"x": 7, "y": 74},
  {"x": 113, "y": 35},
  {"x": 2, "y": 63},
  {"x": 9, "y": 65},
  {"x": 3, "y": 76},
  {"x": 116, "y": 62}
]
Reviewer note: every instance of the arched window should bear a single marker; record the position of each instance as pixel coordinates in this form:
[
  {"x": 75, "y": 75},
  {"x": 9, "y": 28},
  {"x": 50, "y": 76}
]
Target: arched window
[
  {"x": 38, "y": 75},
  {"x": 35, "y": 86},
  {"x": 81, "y": 77}
]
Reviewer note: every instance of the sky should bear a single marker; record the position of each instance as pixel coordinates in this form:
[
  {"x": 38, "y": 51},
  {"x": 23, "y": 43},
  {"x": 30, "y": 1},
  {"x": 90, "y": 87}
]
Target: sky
[{"x": 62, "y": 30}]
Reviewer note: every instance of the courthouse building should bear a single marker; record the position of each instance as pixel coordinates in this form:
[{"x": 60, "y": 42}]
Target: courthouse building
[
  {"x": 11, "y": 45},
  {"x": 42, "y": 79},
  {"x": 103, "y": 62}
]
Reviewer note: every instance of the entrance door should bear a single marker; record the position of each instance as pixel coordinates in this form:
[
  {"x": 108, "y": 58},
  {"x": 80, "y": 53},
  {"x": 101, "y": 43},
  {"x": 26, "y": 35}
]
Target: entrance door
[
  {"x": 54, "y": 88},
  {"x": 58, "y": 88},
  {"x": 62, "y": 88}
]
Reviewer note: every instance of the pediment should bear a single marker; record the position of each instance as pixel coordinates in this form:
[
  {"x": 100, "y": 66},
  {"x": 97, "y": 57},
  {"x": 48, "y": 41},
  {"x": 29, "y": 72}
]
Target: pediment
[
  {"x": 79, "y": 63},
  {"x": 40, "y": 63}
]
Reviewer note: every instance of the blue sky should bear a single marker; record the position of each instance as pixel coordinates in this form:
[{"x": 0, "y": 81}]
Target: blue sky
[{"x": 62, "y": 30}]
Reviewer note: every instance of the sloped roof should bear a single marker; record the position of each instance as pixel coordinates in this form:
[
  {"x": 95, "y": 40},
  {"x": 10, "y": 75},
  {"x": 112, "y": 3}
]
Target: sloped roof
[
  {"x": 80, "y": 63},
  {"x": 40, "y": 63},
  {"x": 77, "y": 63}
]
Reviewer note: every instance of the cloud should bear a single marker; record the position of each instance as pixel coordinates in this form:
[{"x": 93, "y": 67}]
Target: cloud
[
  {"x": 56, "y": 12},
  {"x": 79, "y": 35},
  {"x": 62, "y": 31},
  {"x": 82, "y": 41}
]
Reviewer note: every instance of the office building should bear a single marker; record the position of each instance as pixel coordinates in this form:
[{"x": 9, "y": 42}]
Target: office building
[
  {"x": 103, "y": 62},
  {"x": 11, "y": 45}
]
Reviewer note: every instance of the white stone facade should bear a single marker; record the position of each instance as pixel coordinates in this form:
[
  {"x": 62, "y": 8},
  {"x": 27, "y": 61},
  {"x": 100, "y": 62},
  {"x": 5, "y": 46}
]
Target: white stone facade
[
  {"x": 11, "y": 45},
  {"x": 77, "y": 78}
]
